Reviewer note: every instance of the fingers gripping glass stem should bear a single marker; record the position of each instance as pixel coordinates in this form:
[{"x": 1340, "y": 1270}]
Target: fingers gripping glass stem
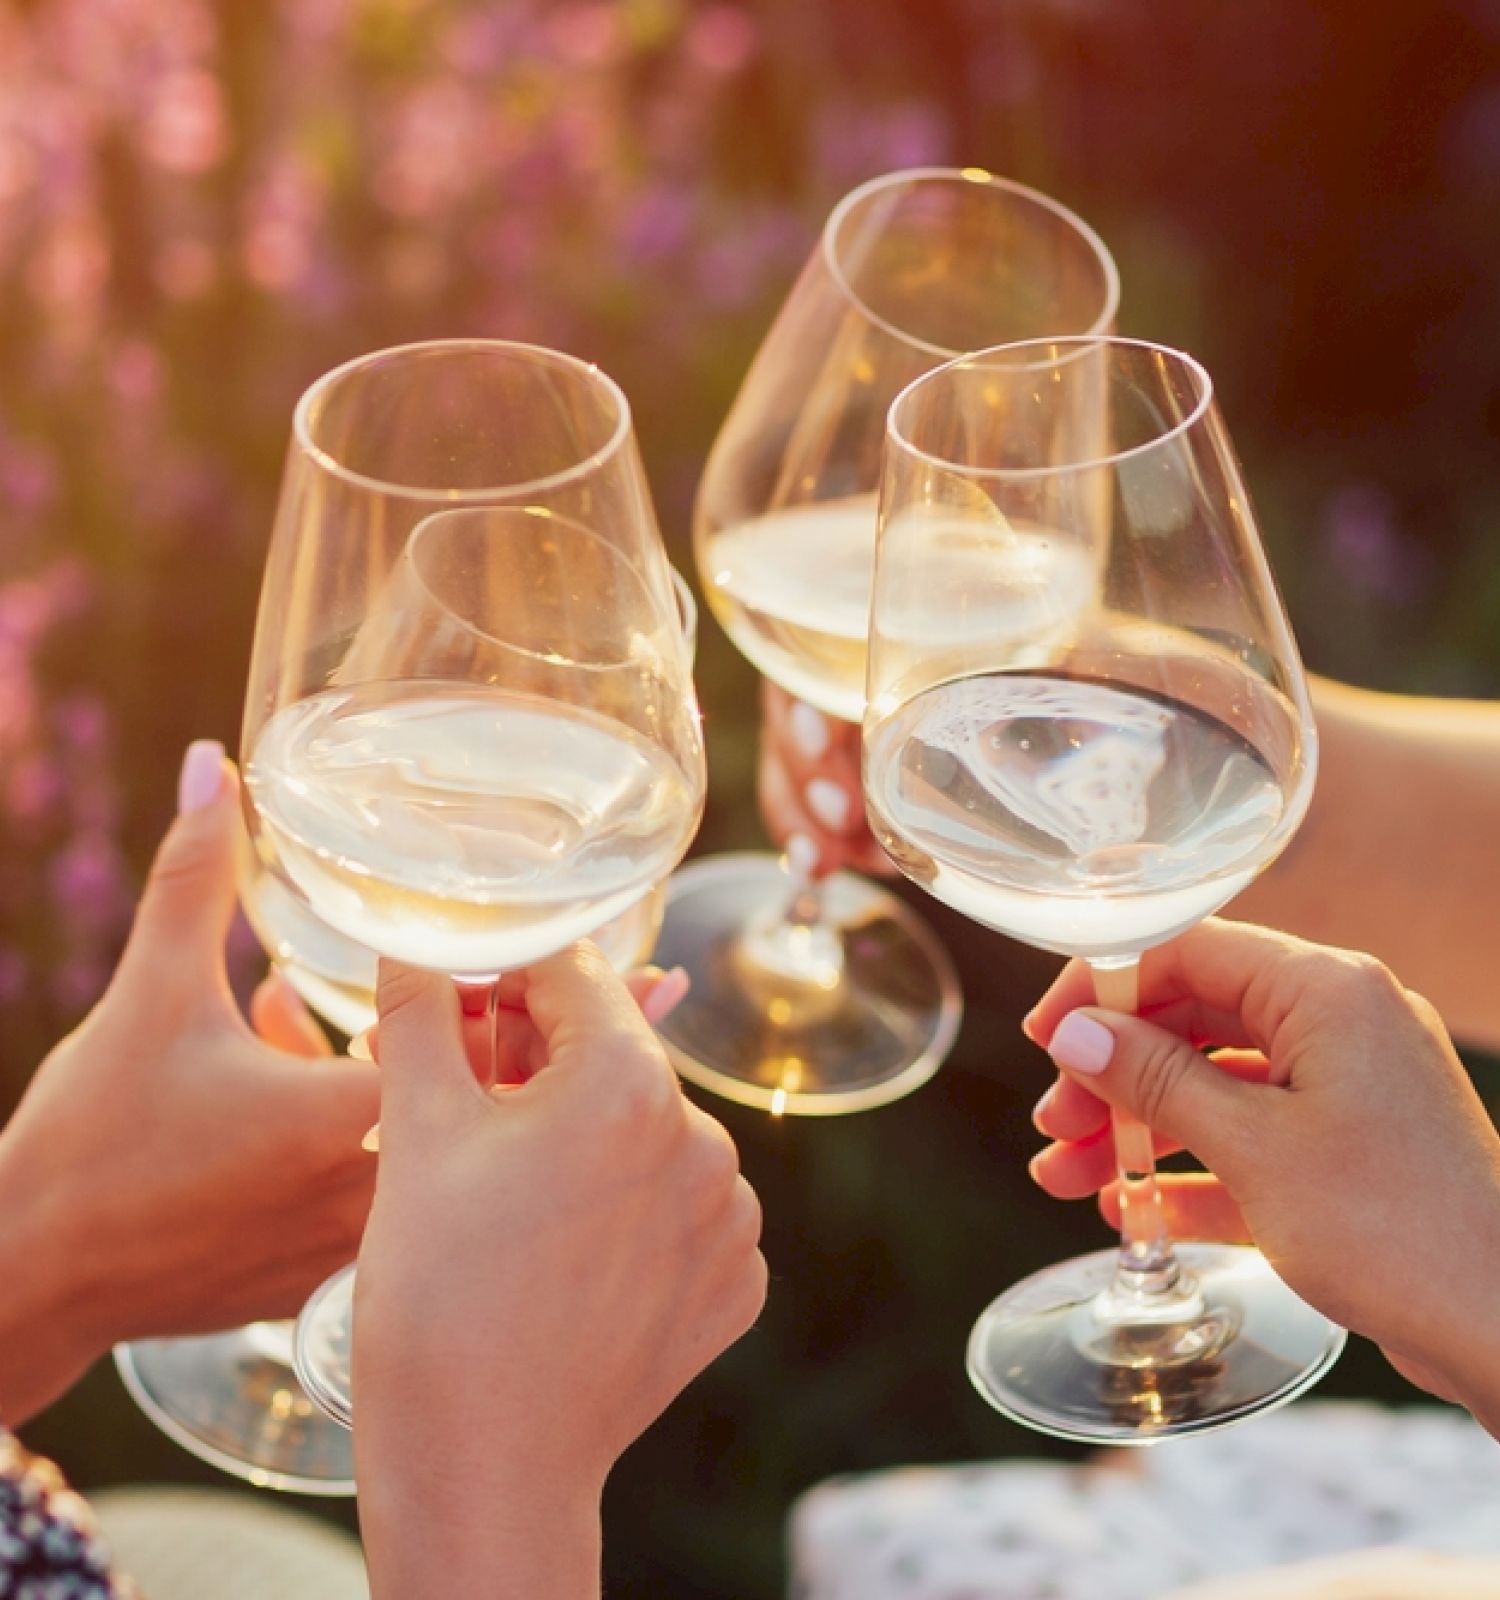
[{"x": 1148, "y": 1265}]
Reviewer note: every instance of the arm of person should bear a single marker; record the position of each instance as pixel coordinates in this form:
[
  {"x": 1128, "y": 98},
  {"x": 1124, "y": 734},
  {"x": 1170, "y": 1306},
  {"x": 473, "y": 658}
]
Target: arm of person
[
  {"x": 170, "y": 1170},
  {"x": 1340, "y": 1129},
  {"x": 543, "y": 1271},
  {"x": 1400, "y": 852}
]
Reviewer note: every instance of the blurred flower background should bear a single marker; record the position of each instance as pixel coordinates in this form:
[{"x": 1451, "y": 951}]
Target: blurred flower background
[{"x": 205, "y": 204}]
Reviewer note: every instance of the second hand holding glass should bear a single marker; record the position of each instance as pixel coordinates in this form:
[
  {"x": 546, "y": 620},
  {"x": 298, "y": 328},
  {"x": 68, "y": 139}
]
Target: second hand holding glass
[
  {"x": 231, "y": 1398},
  {"x": 1094, "y": 780},
  {"x": 470, "y": 726}
]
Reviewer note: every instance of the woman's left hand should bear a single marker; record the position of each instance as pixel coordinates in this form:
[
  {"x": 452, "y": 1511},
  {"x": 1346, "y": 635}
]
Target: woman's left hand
[{"x": 169, "y": 1171}]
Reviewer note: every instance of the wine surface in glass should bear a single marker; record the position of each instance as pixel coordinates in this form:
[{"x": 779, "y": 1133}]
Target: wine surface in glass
[
  {"x": 336, "y": 977},
  {"x": 792, "y": 590},
  {"x": 1088, "y": 819},
  {"x": 463, "y": 828}
]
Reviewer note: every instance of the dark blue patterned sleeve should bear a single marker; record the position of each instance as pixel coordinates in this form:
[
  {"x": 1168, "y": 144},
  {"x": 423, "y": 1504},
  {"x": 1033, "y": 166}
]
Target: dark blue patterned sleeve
[{"x": 49, "y": 1547}]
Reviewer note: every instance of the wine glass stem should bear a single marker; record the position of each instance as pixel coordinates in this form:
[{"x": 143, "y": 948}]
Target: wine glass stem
[
  {"x": 792, "y": 950},
  {"x": 1148, "y": 1265}
]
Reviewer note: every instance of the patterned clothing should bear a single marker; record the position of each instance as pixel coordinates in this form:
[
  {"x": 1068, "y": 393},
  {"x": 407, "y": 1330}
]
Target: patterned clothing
[{"x": 49, "y": 1549}]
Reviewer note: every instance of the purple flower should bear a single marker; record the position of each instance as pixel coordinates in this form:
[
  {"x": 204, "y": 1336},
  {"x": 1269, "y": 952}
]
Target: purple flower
[
  {"x": 722, "y": 39},
  {"x": 89, "y": 883},
  {"x": 1367, "y": 550}
]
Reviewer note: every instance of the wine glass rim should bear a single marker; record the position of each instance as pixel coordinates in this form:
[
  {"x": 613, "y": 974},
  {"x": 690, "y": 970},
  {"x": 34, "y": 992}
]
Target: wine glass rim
[
  {"x": 978, "y": 177},
  {"x": 302, "y": 418},
  {"x": 1081, "y": 343}
]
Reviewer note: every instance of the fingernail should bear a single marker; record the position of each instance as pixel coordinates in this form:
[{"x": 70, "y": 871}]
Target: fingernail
[
  {"x": 1039, "y": 1110},
  {"x": 665, "y": 997},
  {"x": 828, "y": 803},
  {"x": 202, "y": 774},
  {"x": 359, "y": 1046},
  {"x": 1081, "y": 1045},
  {"x": 801, "y": 855},
  {"x": 809, "y": 729},
  {"x": 1028, "y": 1024},
  {"x": 371, "y": 1140}
]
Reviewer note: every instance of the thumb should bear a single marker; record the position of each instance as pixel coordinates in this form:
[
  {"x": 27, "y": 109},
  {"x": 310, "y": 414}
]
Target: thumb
[
  {"x": 1158, "y": 1079},
  {"x": 419, "y": 1044},
  {"x": 185, "y": 910}
]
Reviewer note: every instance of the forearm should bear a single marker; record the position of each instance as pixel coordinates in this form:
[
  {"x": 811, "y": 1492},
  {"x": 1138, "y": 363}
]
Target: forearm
[
  {"x": 45, "y": 1339},
  {"x": 479, "y": 1540},
  {"x": 1399, "y": 854}
]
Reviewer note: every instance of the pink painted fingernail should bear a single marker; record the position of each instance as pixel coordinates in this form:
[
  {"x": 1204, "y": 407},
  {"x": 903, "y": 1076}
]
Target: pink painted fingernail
[
  {"x": 202, "y": 775},
  {"x": 801, "y": 855},
  {"x": 1039, "y": 1110},
  {"x": 1081, "y": 1045},
  {"x": 828, "y": 803},
  {"x": 809, "y": 729},
  {"x": 665, "y": 997}
]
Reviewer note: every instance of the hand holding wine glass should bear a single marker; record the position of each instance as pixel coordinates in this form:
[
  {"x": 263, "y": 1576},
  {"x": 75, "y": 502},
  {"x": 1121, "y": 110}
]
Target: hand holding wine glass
[
  {"x": 624, "y": 1261},
  {"x": 1333, "y": 1091},
  {"x": 1095, "y": 777}
]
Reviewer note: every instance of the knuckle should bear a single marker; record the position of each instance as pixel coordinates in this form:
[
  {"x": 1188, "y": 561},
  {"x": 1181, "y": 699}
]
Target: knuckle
[
  {"x": 1159, "y": 1070},
  {"x": 400, "y": 988},
  {"x": 1424, "y": 1011},
  {"x": 716, "y": 1160},
  {"x": 643, "y": 1091},
  {"x": 1355, "y": 981}
]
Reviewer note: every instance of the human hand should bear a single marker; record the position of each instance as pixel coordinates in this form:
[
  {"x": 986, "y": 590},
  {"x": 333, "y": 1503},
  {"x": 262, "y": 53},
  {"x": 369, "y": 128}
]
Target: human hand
[
  {"x": 810, "y": 786},
  {"x": 168, "y": 1171},
  {"x": 541, "y": 1275},
  {"x": 1341, "y": 1132}
]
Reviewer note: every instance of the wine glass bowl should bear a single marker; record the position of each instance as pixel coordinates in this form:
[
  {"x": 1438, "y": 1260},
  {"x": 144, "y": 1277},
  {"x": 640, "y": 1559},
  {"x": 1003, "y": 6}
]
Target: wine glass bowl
[
  {"x": 834, "y": 998},
  {"x": 1096, "y": 740}
]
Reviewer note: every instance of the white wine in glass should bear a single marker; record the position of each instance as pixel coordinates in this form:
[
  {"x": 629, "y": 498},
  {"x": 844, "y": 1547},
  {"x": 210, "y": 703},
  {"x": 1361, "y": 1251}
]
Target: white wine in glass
[
  {"x": 470, "y": 730},
  {"x": 826, "y": 998},
  {"x": 1095, "y": 782}
]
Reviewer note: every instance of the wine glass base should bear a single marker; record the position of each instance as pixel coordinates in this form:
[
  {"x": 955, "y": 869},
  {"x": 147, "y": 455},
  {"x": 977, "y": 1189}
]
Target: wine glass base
[
  {"x": 877, "y": 1032},
  {"x": 232, "y": 1400},
  {"x": 323, "y": 1348},
  {"x": 1040, "y": 1355}
]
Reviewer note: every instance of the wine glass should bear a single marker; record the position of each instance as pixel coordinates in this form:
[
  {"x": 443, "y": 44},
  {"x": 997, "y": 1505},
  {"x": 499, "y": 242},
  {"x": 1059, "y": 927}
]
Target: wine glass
[
  {"x": 470, "y": 731},
  {"x": 834, "y": 997},
  {"x": 1093, "y": 779},
  {"x": 232, "y": 1398}
]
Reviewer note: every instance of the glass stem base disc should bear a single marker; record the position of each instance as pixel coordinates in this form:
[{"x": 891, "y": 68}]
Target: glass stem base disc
[
  {"x": 867, "y": 1019},
  {"x": 1050, "y": 1354},
  {"x": 323, "y": 1351},
  {"x": 232, "y": 1400}
]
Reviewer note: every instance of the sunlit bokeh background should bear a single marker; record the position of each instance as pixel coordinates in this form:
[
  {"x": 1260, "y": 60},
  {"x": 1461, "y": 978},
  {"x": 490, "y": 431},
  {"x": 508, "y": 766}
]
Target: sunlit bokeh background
[{"x": 203, "y": 205}]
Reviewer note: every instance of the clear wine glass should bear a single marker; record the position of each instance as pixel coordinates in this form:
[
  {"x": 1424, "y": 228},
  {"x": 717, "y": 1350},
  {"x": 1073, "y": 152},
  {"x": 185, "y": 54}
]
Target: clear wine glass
[
  {"x": 232, "y": 1398},
  {"x": 1088, "y": 728},
  {"x": 470, "y": 731},
  {"x": 833, "y": 997}
]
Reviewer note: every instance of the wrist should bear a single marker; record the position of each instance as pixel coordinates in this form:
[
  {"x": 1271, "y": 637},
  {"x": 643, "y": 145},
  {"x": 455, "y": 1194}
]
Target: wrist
[
  {"x": 1464, "y": 1349},
  {"x": 47, "y": 1333},
  {"x": 507, "y": 1536}
]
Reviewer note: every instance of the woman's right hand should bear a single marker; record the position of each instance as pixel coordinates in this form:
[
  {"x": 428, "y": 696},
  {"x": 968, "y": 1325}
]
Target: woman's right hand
[
  {"x": 1341, "y": 1133},
  {"x": 544, "y": 1270}
]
